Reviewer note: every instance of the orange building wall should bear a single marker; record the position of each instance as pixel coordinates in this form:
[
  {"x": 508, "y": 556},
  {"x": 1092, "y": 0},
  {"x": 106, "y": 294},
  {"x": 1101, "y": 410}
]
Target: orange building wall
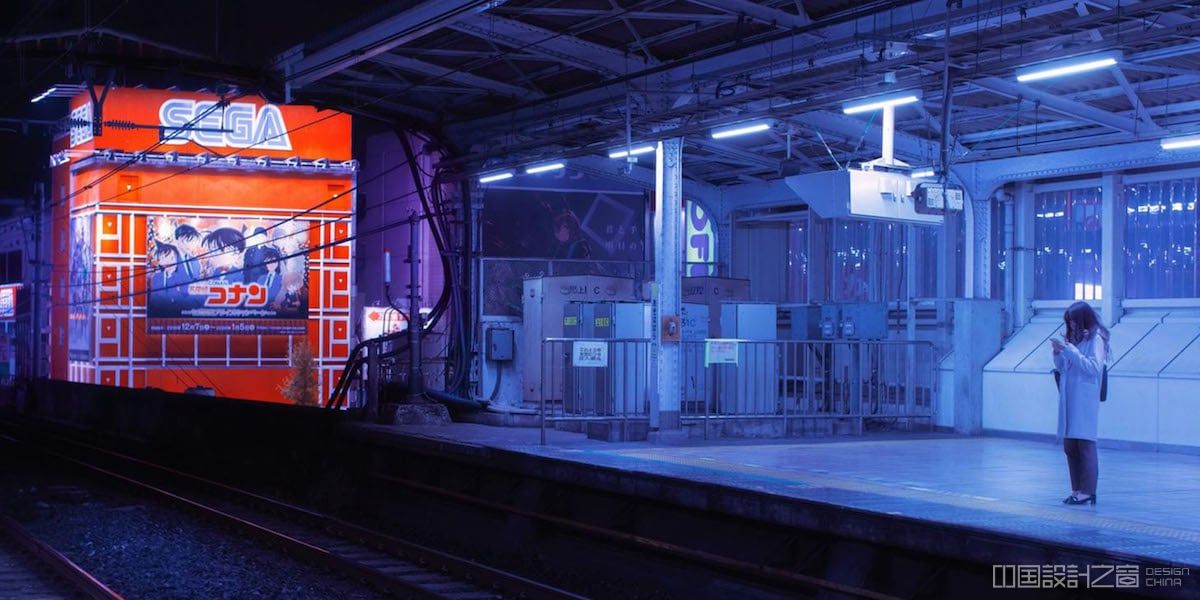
[{"x": 245, "y": 366}]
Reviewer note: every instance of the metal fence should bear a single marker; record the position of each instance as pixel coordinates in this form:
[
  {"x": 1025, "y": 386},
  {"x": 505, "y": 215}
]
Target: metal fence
[
  {"x": 595, "y": 379},
  {"x": 854, "y": 381}
]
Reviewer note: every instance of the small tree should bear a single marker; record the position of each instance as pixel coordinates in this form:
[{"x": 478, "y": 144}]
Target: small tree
[{"x": 301, "y": 387}]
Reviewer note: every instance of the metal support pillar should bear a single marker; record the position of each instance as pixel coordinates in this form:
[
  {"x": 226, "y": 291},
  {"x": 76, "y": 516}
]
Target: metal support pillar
[
  {"x": 1010, "y": 255},
  {"x": 35, "y": 318},
  {"x": 1112, "y": 249},
  {"x": 416, "y": 378},
  {"x": 668, "y": 264},
  {"x": 1023, "y": 254},
  {"x": 374, "y": 380},
  {"x": 911, "y": 267}
]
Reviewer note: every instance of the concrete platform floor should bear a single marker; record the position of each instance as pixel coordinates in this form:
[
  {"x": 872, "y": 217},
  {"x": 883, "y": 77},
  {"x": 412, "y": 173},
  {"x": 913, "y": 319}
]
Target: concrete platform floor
[{"x": 1148, "y": 503}]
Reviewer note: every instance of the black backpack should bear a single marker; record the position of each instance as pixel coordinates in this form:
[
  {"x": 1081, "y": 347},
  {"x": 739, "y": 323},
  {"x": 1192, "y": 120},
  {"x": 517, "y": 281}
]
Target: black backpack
[{"x": 1103, "y": 382}]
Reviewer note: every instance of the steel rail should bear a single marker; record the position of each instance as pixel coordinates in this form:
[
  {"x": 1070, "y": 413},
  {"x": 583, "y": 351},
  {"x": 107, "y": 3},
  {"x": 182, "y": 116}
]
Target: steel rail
[
  {"x": 79, "y": 580},
  {"x": 387, "y": 562}
]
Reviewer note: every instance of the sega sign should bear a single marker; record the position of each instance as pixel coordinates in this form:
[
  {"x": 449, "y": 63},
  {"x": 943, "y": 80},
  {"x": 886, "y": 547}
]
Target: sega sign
[{"x": 237, "y": 125}]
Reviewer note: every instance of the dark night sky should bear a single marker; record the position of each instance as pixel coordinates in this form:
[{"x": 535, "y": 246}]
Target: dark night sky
[{"x": 242, "y": 36}]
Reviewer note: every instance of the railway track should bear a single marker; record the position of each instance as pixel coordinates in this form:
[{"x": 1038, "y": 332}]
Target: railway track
[
  {"x": 31, "y": 569},
  {"x": 393, "y": 565}
]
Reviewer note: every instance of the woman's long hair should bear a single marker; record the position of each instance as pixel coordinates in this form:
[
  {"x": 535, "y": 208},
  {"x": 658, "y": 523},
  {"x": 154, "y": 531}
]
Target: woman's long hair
[{"x": 1085, "y": 317}]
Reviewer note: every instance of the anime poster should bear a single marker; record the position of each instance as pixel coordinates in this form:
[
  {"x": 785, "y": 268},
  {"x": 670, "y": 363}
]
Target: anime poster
[
  {"x": 535, "y": 232},
  {"x": 226, "y": 276},
  {"x": 570, "y": 225},
  {"x": 81, "y": 290}
]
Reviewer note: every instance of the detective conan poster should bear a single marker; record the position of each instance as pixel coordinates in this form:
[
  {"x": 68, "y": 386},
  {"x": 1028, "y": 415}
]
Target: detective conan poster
[
  {"x": 226, "y": 276},
  {"x": 79, "y": 312}
]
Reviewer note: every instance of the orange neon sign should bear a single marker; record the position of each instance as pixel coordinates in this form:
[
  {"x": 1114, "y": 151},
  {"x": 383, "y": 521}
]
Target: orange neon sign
[{"x": 198, "y": 123}]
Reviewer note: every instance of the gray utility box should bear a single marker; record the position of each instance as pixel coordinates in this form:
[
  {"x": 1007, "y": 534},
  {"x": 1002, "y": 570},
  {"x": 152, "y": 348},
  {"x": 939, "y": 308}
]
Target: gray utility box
[
  {"x": 622, "y": 388},
  {"x": 864, "y": 321},
  {"x": 694, "y": 320},
  {"x": 750, "y": 387},
  {"x": 500, "y": 344},
  {"x": 861, "y": 321},
  {"x": 712, "y": 292},
  {"x": 543, "y": 302}
]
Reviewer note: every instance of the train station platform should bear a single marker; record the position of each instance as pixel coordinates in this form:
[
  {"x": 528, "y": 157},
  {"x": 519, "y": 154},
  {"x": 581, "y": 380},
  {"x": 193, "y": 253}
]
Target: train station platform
[{"x": 992, "y": 498}]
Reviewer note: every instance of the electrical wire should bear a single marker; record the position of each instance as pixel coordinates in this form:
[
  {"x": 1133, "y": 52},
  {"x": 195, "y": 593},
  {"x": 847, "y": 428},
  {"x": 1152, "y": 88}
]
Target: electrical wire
[
  {"x": 303, "y": 252},
  {"x": 138, "y": 156},
  {"x": 271, "y": 227}
]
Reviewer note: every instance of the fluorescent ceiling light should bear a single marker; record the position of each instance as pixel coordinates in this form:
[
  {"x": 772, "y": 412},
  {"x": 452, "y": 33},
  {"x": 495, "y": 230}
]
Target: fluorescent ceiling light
[
  {"x": 922, "y": 174},
  {"x": 496, "y": 177},
  {"x": 1179, "y": 143},
  {"x": 740, "y": 130},
  {"x": 878, "y": 103},
  {"x": 543, "y": 168},
  {"x": 42, "y": 96},
  {"x": 630, "y": 152},
  {"x": 1060, "y": 68}
]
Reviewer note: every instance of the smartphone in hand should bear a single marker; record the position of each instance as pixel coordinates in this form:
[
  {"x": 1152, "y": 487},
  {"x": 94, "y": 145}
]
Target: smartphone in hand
[{"x": 1057, "y": 344}]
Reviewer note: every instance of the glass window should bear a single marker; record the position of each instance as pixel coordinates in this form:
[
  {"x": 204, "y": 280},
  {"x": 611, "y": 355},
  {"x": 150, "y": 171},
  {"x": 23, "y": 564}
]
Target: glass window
[
  {"x": 927, "y": 260},
  {"x": 1066, "y": 232},
  {"x": 1161, "y": 239},
  {"x": 797, "y": 261},
  {"x": 869, "y": 261}
]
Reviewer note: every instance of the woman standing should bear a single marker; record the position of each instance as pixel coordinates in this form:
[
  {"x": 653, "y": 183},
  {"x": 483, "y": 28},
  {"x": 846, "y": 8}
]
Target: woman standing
[{"x": 1080, "y": 360}]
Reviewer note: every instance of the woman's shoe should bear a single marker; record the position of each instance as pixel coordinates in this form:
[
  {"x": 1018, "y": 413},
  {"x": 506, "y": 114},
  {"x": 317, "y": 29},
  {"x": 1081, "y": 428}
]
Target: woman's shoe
[
  {"x": 1073, "y": 500},
  {"x": 1069, "y": 499}
]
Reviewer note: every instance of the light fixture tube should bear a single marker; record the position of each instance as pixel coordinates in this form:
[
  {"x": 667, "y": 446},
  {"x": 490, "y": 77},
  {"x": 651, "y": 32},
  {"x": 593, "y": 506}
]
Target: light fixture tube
[
  {"x": 740, "y": 130},
  {"x": 630, "y": 152},
  {"x": 42, "y": 96},
  {"x": 922, "y": 174},
  {"x": 1179, "y": 143},
  {"x": 878, "y": 103},
  {"x": 543, "y": 168},
  {"x": 1061, "y": 68},
  {"x": 496, "y": 177}
]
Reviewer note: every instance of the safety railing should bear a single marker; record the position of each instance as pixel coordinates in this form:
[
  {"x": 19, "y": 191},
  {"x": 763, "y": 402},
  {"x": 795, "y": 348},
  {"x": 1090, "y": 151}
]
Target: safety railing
[
  {"x": 854, "y": 382},
  {"x": 594, "y": 379}
]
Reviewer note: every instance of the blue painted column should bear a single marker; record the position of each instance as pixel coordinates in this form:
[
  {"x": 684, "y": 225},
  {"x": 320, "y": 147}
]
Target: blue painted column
[{"x": 668, "y": 264}]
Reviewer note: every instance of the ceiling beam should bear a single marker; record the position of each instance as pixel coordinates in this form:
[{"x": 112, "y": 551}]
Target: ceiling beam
[
  {"x": 1139, "y": 110},
  {"x": 737, "y": 154},
  {"x": 565, "y": 49},
  {"x": 771, "y": 16},
  {"x": 916, "y": 149},
  {"x": 1061, "y": 105},
  {"x": 301, "y": 68},
  {"x": 438, "y": 72},
  {"x": 637, "y": 15}
]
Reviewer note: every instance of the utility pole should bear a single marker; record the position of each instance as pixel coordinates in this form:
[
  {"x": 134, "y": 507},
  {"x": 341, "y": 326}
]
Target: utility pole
[
  {"x": 416, "y": 377},
  {"x": 35, "y": 319}
]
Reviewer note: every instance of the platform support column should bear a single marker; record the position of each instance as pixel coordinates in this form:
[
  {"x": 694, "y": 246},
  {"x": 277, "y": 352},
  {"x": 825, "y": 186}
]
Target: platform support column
[
  {"x": 665, "y": 303},
  {"x": 1022, "y": 255},
  {"x": 1112, "y": 246}
]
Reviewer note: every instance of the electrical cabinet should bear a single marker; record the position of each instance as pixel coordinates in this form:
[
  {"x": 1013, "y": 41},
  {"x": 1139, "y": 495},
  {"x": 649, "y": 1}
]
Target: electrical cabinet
[
  {"x": 544, "y": 304},
  {"x": 622, "y": 387},
  {"x": 499, "y": 344},
  {"x": 860, "y": 321},
  {"x": 712, "y": 292},
  {"x": 752, "y": 385},
  {"x": 864, "y": 321}
]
